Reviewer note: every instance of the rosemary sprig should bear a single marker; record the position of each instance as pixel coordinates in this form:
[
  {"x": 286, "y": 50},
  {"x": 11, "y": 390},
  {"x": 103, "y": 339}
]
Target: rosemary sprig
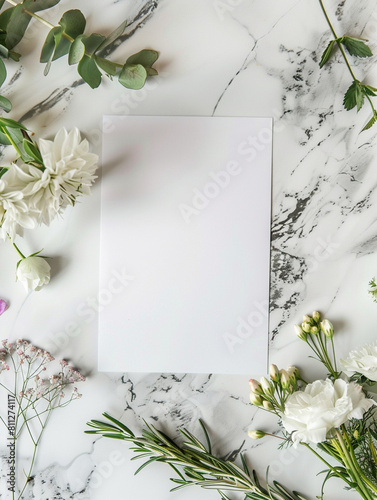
[{"x": 193, "y": 462}]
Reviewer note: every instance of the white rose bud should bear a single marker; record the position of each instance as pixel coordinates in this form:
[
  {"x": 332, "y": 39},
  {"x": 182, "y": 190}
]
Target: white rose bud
[
  {"x": 274, "y": 372},
  {"x": 267, "y": 387},
  {"x": 316, "y": 316},
  {"x": 267, "y": 405},
  {"x": 255, "y": 386},
  {"x": 256, "y": 434},
  {"x": 306, "y": 327},
  {"x": 255, "y": 399},
  {"x": 300, "y": 333},
  {"x": 327, "y": 328},
  {"x": 33, "y": 272},
  {"x": 285, "y": 379}
]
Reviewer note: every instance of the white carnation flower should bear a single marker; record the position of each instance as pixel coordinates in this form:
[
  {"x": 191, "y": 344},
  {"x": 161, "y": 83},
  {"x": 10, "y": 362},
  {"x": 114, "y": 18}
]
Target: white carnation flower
[
  {"x": 312, "y": 415},
  {"x": 69, "y": 172},
  {"x": 362, "y": 360}
]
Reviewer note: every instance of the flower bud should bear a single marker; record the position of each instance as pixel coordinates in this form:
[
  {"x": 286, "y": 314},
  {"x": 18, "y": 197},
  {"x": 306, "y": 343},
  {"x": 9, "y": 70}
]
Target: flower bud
[
  {"x": 255, "y": 399},
  {"x": 314, "y": 330},
  {"x": 306, "y": 327},
  {"x": 307, "y": 319},
  {"x": 300, "y": 333},
  {"x": 256, "y": 434},
  {"x": 255, "y": 386},
  {"x": 293, "y": 372},
  {"x": 327, "y": 328},
  {"x": 274, "y": 373},
  {"x": 33, "y": 272},
  {"x": 267, "y": 405},
  {"x": 267, "y": 387},
  {"x": 316, "y": 316},
  {"x": 285, "y": 379}
]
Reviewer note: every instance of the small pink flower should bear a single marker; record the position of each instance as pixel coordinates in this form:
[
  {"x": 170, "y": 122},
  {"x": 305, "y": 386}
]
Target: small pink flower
[{"x": 3, "y": 306}]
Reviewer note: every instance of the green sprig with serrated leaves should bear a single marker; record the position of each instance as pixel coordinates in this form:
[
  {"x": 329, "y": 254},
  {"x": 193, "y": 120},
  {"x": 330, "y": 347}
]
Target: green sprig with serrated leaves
[
  {"x": 357, "y": 93},
  {"x": 68, "y": 38},
  {"x": 193, "y": 462}
]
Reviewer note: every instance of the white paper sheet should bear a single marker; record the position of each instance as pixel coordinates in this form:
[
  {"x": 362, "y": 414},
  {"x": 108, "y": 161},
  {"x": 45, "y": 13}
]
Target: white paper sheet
[{"x": 185, "y": 244}]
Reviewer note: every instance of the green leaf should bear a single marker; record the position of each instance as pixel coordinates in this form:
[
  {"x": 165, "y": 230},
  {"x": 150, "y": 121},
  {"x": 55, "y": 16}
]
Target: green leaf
[
  {"x": 5, "y": 104},
  {"x": 50, "y": 44},
  {"x": 356, "y": 47},
  {"x": 73, "y": 23},
  {"x": 15, "y": 56},
  {"x": 327, "y": 53},
  {"x": 151, "y": 71},
  {"x": 4, "y": 139},
  {"x": 92, "y": 42},
  {"x": 354, "y": 96},
  {"x": 133, "y": 76},
  {"x": 18, "y": 20},
  {"x": 3, "y": 72},
  {"x": 113, "y": 36},
  {"x": 16, "y": 135},
  {"x": 145, "y": 57},
  {"x": 4, "y": 52},
  {"x": 107, "y": 66},
  {"x": 368, "y": 90},
  {"x": 33, "y": 152},
  {"x": 3, "y": 170},
  {"x": 76, "y": 51},
  {"x": 371, "y": 122},
  {"x": 89, "y": 72},
  {"x": 6, "y": 122}
]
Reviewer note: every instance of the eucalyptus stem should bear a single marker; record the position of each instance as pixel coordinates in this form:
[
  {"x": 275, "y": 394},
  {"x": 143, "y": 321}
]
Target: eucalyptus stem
[{"x": 32, "y": 14}]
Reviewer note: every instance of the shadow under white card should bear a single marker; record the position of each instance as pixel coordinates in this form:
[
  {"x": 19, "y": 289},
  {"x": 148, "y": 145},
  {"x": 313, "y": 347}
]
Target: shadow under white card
[{"x": 185, "y": 244}]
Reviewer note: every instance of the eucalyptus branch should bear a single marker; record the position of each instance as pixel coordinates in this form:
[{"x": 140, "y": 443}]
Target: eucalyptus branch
[
  {"x": 193, "y": 462},
  {"x": 357, "y": 92},
  {"x": 68, "y": 38}
]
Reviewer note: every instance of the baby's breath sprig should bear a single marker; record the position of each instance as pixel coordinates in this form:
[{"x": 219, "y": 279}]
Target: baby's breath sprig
[{"x": 34, "y": 385}]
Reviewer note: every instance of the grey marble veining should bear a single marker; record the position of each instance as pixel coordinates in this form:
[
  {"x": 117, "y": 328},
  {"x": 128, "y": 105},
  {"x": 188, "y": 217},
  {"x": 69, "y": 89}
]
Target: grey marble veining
[{"x": 225, "y": 58}]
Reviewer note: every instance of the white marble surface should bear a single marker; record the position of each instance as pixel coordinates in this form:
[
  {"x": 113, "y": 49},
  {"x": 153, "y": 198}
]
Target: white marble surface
[{"x": 248, "y": 58}]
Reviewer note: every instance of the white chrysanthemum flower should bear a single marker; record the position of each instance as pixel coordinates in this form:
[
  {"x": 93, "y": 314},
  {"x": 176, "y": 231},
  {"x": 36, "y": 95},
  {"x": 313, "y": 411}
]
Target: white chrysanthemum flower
[
  {"x": 14, "y": 212},
  {"x": 69, "y": 172},
  {"x": 362, "y": 360}
]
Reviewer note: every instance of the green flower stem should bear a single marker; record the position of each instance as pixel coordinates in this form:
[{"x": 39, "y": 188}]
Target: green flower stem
[
  {"x": 328, "y": 363},
  {"x": 352, "y": 455},
  {"x": 343, "y": 52},
  {"x": 17, "y": 249},
  {"x": 325, "y": 462},
  {"x": 337, "y": 41},
  {"x": 332, "y": 344},
  {"x": 352, "y": 467}
]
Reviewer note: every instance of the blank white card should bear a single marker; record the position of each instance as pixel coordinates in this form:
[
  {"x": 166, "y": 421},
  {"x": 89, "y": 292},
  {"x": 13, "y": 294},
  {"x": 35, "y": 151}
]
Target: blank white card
[{"x": 185, "y": 244}]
